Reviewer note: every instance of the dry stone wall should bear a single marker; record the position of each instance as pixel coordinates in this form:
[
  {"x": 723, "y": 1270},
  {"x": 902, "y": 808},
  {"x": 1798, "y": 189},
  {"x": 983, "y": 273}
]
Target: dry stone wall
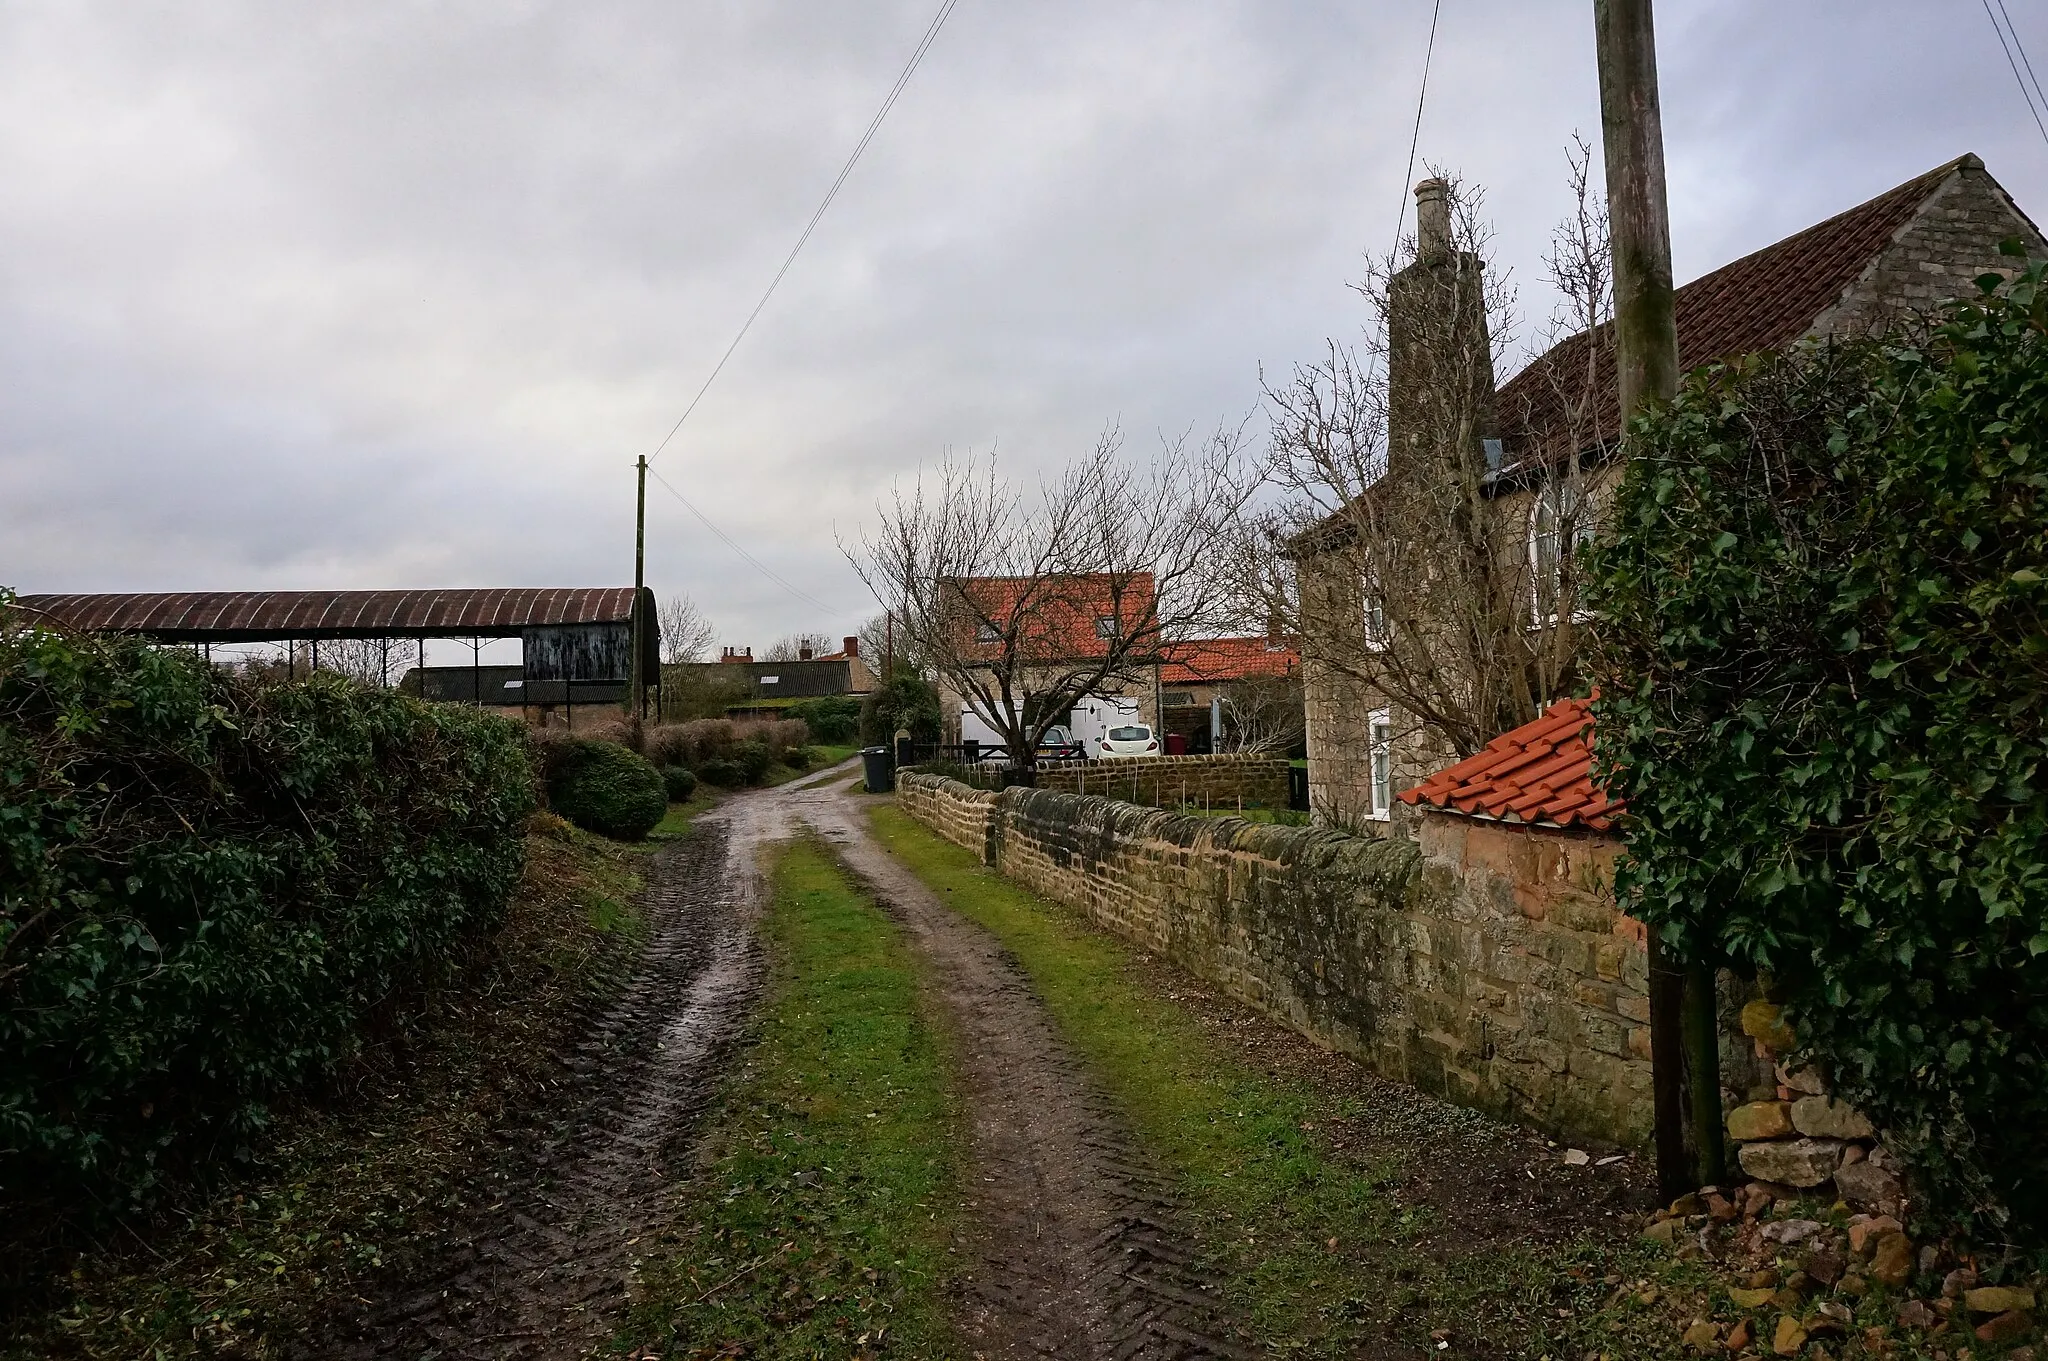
[
  {"x": 1221, "y": 781},
  {"x": 1486, "y": 965}
]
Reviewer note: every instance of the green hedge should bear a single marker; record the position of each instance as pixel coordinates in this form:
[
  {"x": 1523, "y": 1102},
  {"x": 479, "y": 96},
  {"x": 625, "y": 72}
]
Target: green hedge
[
  {"x": 207, "y": 885},
  {"x": 1825, "y": 661},
  {"x": 605, "y": 788},
  {"x": 832, "y": 719}
]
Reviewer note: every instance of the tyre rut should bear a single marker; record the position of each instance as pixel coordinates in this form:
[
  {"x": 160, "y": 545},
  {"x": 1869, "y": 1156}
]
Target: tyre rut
[
  {"x": 543, "y": 1272},
  {"x": 1077, "y": 1247}
]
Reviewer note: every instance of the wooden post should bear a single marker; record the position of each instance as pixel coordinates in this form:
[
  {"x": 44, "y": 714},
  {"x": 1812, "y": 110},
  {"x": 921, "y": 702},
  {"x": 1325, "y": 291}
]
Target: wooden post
[
  {"x": 636, "y": 701},
  {"x": 1684, "y": 1049}
]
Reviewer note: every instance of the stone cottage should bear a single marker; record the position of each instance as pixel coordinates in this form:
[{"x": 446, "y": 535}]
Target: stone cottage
[{"x": 1539, "y": 451}]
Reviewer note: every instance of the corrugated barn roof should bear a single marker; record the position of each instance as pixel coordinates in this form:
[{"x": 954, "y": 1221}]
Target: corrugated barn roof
[{"x": 258, "y": 616}]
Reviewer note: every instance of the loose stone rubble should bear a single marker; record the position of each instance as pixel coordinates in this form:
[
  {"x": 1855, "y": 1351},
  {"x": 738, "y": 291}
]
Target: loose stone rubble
[{"x": 1799, "y": 1277}]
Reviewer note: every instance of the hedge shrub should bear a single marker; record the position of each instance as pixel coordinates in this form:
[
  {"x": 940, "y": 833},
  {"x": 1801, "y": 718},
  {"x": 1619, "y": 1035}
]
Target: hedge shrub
[
  {"x": 604, "y": 788},
  {"x": 1825, "y": 669},
  {"x": 904, "y": 700},
  {"x": 207, "y": 884},
  {"x": 832, "y": 719},
  {"x": 680, "y": 783}
]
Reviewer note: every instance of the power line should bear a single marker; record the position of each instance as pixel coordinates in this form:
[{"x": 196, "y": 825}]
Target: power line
[
  {"x": 1415, "y": 136},
  {"x": 2036, "y": 101},
  {"x": 759, "y": 566},
  {"x": 924, "y": 44}
]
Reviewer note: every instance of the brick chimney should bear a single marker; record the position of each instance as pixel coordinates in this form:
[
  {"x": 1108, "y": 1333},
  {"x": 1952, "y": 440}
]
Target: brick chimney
[
  {"x": 852, "y": 643},
  {"x": 1439, "y": 354},
  {"x": 803, "y": 654}
]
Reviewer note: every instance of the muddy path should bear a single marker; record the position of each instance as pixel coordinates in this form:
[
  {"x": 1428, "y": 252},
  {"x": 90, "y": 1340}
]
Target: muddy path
[
  {"x": 540, "y": 1268},
  {"x": 1075, "y": 1249},
  {"x": 1071, "y": 1239}
]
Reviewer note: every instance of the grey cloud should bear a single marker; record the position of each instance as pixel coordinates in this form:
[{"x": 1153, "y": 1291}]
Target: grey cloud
[{"x": 392, "y": 294}]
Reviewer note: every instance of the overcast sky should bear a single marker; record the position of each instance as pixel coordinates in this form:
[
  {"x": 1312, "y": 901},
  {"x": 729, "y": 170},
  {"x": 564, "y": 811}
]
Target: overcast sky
[{"x": 355, "y": 295}]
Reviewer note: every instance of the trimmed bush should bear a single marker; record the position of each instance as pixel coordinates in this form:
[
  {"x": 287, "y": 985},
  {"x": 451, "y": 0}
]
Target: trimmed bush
[
  {"x": 1824, "y": 660},
  {"x": 681, "y": 784},
  {"x": 797, "y": 758},
  {"x": 604, "y": 788},
  {"x": 723, "y": 771},
  {"x": 754, "y": 759},
  {"x": 208, "y": 884}
]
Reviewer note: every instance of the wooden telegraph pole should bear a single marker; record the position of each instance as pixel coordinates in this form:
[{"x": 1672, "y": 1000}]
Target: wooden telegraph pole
[
  {"x": 638, "y": 702},
  {"x": 1684, "y": 1035}
]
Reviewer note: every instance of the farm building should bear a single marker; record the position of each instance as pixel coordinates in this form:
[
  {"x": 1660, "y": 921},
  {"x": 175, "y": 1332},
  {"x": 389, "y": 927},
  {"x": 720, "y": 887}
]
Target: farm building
[{"x": 576, "y": 645}]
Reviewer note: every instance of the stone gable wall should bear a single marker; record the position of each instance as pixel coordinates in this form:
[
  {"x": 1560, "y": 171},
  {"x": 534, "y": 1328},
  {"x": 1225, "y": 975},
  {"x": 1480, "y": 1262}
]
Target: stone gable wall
[
  {"x": 1164, "y": 781},
  {"x": 1485, "y": 964},
  {"x": 1936, "y": 256}
]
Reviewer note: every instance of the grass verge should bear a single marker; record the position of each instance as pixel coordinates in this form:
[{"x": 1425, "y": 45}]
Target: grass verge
[
  {"x": 357, "y": 1181},
  {"x": 818, "y": 1222},
  {"x": 1322, "y": 1255}
]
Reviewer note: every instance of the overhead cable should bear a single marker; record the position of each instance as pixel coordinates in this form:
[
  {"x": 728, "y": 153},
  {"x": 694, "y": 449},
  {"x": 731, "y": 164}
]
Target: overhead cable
[
  {"x": 2037, "y": 103},
  {"x": 1415, "y": 135},
  {"x": 924, "y": 44},
  {"x": 760, "y": 566}
]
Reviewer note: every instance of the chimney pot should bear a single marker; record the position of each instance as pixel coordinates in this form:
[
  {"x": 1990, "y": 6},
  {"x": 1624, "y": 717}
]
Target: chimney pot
[{"x": 1432, "y": 221}]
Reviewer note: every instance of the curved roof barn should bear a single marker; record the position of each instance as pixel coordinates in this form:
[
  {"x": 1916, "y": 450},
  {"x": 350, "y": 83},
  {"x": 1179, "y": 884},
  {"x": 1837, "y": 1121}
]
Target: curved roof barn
[{"x": 273, "y": 616}]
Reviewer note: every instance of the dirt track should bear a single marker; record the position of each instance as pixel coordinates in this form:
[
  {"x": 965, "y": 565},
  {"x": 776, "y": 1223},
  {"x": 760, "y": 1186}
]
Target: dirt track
[{"x": 1074, "y": 1249}]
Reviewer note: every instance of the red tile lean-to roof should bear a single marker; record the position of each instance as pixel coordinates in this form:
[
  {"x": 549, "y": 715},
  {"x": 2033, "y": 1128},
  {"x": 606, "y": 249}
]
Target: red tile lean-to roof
[{"x": 1539, "y": 773}]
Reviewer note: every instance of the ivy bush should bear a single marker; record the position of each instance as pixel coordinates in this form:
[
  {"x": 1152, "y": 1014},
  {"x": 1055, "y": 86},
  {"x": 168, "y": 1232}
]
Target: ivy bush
[
  {"x": 208, "y": 885},
  {"x": 602, "y": 787},
  {"x": 1824, "y": 661}
]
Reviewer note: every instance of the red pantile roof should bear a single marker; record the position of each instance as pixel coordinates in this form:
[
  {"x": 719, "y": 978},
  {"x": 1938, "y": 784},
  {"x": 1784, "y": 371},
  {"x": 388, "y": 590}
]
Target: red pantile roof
[
  {"x": 1201, "y": 660},
  {"x": 1539, "y": 773},
  {"x": 1059, "y": 613},
  {"x": 1763, "y": 301}
]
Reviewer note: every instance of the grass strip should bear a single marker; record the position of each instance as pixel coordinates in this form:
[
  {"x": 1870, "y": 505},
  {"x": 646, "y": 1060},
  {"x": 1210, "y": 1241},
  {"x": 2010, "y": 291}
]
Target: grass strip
[
  {"x": 1321, "y": 1255},
  {"x": 818, "y": 1224}
]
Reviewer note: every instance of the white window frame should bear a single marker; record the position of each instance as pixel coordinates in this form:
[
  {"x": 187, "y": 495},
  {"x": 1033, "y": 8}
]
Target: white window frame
[
  {"x": 1374, "y": 613},
  {"x": 1379, "y": 731},
  {"x": 987, "y": 633},
  {"x": 1556, "y": 501},
  {"x": 1106, "y": 627}
]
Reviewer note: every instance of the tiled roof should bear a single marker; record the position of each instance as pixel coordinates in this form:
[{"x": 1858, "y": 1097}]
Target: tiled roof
[
  {"x": 1225, "y": 659},
  {"x": 1060, "y": 612},
  {"x": 1763, "y": 301},
  {"x": 1539, "y": 773}
]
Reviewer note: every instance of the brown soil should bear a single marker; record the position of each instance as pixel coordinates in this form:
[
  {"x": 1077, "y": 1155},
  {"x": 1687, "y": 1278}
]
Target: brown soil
[{"x": 1076, "y": 1250}]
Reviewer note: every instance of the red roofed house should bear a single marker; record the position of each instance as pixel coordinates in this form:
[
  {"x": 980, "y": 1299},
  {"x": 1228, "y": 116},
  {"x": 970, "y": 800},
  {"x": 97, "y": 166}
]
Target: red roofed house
[
  {"x": 1919, "y": 243},
  {"x": 1069, "y": 637},
  {"x": 1199, "y": 678}
]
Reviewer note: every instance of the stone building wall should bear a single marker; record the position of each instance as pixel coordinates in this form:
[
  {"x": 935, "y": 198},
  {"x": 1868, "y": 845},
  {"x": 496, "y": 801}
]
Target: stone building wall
[
  {"x": 1485, "y": 964},
  {"x": 1936, "y": 256},
  {"x": 1167, "y": 781}
]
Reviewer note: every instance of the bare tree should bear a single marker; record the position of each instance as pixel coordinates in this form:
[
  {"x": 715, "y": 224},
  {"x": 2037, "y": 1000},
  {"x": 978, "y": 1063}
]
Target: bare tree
[
  {"x": 1024, "y": 603},
  {"x": 1392, "y": 537},
  {"x": 686, "y": 635},
  {"x": 792, "y": 647},
  {"x": 377, "y": 662},
  {"x": 883, "y": 645},
  {"x": 1263, "y": 714}
]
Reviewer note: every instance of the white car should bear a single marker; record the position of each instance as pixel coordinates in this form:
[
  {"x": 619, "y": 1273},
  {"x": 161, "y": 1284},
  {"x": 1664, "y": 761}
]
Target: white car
[{"x": 1133, "y": 739}]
